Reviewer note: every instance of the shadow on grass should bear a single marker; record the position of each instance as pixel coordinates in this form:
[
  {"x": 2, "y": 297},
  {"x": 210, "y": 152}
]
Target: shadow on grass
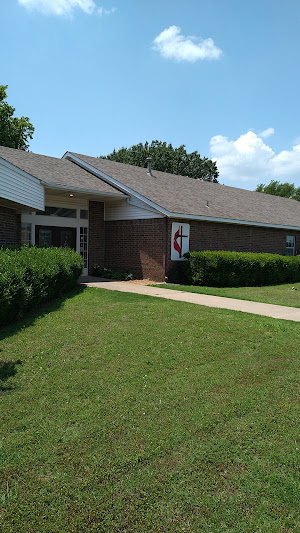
[
  {"x": 30, "y": 318},
  {"x": 7, "y": 370}
]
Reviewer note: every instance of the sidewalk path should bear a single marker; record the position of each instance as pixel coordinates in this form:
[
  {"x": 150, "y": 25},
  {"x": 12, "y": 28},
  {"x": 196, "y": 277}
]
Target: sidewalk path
[{"x": 256, "y": 308}]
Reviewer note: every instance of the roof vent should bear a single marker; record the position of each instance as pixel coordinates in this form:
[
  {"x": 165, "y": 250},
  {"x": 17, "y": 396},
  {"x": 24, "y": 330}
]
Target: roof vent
[{"x": 149, "y": 162}]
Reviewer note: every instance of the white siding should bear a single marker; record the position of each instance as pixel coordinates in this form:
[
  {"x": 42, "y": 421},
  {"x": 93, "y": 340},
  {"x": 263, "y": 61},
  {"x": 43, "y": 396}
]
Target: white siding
[
  {"x": 122, "y": 210},
  {"x": 17, "y": 186}
]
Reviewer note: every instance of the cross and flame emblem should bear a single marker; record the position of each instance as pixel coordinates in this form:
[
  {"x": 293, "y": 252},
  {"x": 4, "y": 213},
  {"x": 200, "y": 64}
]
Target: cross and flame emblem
[{"x": 177, "y": 241}]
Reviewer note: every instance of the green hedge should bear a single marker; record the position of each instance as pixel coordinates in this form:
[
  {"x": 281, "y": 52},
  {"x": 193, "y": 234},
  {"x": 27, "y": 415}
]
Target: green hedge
[
  {"x": 30, "y": 276},
  {"x": 237, "y": 269}
]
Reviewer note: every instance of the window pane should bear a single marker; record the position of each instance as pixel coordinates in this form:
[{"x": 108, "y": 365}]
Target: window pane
[
  {"x": 84, "y": 245},
  {"x": 290, "y": 245},
  {"x": 290, "y": 241},
  {"x": 59, "y": 212},
  {"x": 25, "y": 233},
  {"x": 84, "y": 213},
  {"x": 45, "y": 238},
  {"x": 66, "y": 239}
]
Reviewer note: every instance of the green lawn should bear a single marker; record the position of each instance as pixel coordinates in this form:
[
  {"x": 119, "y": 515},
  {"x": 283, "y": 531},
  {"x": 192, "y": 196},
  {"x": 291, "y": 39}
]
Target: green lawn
[
  {"x": 274, "y": 294},
  {"x": 126, "y": 413}
]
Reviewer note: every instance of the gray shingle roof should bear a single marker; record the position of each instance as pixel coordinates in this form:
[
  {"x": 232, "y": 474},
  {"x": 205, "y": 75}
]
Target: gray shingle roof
[
  {"x": 180, "y": 194},
  {"x": 55, "y": 171},
  {"x": 175, "y": 194}
]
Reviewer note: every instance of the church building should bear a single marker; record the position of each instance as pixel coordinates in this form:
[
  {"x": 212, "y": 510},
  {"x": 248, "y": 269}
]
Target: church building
[{"x": 135, "y": 219}]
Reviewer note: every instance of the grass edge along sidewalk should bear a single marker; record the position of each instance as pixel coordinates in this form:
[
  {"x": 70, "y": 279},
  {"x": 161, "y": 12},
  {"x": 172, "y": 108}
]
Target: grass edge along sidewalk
[
  {"x": 129, "y": 413},
  {"x": 286, "y": 294},
  {"x": 245, "y": 306}
]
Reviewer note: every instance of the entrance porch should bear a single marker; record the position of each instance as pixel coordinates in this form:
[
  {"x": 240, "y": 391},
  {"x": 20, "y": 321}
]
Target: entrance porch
[{"x": 64, "y": 222}]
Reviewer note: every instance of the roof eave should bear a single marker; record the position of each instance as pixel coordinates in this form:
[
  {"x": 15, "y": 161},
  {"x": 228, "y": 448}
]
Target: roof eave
[
  {"x": 127, "y": 190},
  {"x": 232, "y": 221},
  {"x": 115, "y": 183},
  {"x": 51, "y": 185}
]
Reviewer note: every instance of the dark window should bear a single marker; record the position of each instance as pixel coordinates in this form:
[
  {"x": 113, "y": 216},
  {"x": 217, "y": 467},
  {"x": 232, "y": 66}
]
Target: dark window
[
  {"x": 290, "y": 245},
  {"x": 45, "y": 238},
  {"x": 84, "y": 213},
  {"x": 55, "y": 236},
  {"x": 59, "y": 212}
]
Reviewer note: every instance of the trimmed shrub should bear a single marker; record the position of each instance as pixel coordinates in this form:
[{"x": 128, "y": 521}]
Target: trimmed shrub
[
  {"x": 238, "y": 269},
  {"x": 30, "y": 276}
]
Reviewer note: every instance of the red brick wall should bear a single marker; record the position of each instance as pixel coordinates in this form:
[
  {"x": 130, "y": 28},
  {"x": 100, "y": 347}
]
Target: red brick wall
[
  {"x": 137, "y": 246},
  {"x": 219, "y": 236},
  {"x": 96, "y": 234},
  {"x": 143, "y": 247},
  {"x": 10, "y": 226}
]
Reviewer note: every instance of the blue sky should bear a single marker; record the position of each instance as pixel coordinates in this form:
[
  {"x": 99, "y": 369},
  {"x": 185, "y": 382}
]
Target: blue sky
[{"x": 220, "y": 76}]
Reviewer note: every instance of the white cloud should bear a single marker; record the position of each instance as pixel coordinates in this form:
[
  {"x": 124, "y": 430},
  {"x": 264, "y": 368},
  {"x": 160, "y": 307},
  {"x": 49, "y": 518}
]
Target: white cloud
[
  {"x": 287, "y": 164},
  {"x": 171, "y": 44},
  {"x": 267, "y": 133},
  {"x": 250, "y": 159},
  {"x": 64, "y": 7},
  {"x": 58, "y": 7},
  {"x": 103, "y": 11}
]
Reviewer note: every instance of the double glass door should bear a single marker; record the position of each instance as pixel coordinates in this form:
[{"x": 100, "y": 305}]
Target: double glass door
[{"x": 46, "y": 236}]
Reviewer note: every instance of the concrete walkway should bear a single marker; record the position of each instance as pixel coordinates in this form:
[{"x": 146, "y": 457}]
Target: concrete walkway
[{"x": 256, "y": 308}]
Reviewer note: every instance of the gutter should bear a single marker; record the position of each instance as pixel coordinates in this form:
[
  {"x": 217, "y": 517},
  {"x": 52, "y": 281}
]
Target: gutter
[{"x": 232, "y": 221}]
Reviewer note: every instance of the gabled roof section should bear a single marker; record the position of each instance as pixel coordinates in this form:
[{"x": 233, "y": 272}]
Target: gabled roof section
[
  {"x": 172, "y": 195},
  {"x": 54, "y": 172},
  {"x": 180, "y": 196}
]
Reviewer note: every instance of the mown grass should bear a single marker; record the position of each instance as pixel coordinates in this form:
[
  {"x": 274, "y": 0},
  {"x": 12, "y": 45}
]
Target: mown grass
[
  {"x": 125, "y": 413},
  {"x": 272, "y": 294}
]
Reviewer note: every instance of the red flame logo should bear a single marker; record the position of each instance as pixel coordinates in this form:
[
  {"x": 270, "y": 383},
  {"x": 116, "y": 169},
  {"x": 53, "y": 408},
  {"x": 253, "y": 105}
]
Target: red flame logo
[{"x": 176, "y": 244}]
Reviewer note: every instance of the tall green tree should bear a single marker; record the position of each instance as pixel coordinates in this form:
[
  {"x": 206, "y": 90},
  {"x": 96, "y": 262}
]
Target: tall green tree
[
  {"x": 14, "y": 132},
  {"x": 287, "y": 190},
  {"x": 168, "y": 159}
]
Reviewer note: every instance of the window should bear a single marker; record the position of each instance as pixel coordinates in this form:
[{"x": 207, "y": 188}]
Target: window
[
  {"x": 290, "y": 245},
  {"x": 25, "y": 233},
  {"x": 84, "y": 213},
  {"x": 45, "y": 237},
  {"x": 84, "y": 245},
  {"x": 59, "y": 212}
]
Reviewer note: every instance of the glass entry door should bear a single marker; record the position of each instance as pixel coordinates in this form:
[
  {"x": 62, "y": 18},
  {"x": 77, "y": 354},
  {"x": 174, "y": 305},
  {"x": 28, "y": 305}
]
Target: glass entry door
[{"x": 46, "y": 236}]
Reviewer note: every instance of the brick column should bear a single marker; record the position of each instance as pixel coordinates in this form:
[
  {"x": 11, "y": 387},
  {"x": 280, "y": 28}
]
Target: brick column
[
  {"x": 10, "y": 226},
  {"x": 137, "y": 246},
  {"x": 96, "y": 234}
]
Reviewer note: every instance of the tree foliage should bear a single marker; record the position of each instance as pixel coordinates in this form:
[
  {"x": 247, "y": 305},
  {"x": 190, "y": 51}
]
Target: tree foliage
[
  {"x": 14, "y": 132},
  {"x": 287, "y": 190},
  {"x": 168, "y": 159}
]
